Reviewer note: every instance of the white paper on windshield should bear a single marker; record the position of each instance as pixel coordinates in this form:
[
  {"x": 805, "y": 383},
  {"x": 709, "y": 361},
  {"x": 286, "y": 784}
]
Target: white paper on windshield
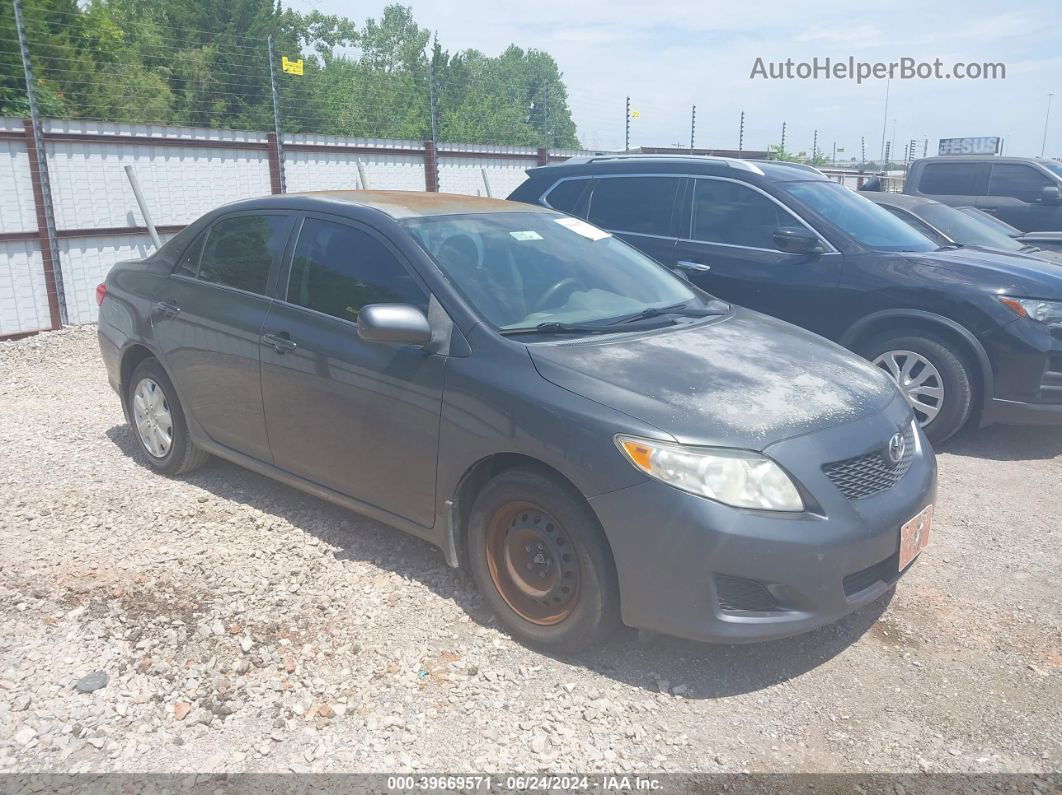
[
  {"x": 583, "y": 228},
  {"x": 529, "y": 234}
]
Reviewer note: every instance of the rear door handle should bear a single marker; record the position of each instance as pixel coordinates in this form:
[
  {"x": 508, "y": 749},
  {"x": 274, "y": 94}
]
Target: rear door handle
[
  {"x": 690, "y": 265},
  {"x": 281, "y": 342},
  {"x": 167, "y": 308}
]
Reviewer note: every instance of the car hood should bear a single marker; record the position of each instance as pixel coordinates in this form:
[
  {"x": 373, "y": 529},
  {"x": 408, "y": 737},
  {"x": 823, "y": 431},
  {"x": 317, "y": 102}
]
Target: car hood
[
  {"x": 1005, "y": 273},
  {"x": 745, "y": 380},
  {"x": 1054, "y": 257}
]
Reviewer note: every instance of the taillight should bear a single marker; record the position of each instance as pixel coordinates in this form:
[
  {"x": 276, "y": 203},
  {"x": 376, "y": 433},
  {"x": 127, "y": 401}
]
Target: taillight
[{"x": 101, "y": 293}]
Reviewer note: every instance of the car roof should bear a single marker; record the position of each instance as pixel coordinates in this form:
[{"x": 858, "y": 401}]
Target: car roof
[
  {"x": 980, "y": 159},
  {"x": 395, "y": 203},
  {"x": 681, "y": 164},
  {"x": 901, "y": 200}
]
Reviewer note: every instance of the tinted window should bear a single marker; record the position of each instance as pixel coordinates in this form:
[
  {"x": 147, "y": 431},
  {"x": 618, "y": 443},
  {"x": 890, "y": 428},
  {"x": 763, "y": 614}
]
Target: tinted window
[
  {"x": 189, "y": 263},
  {"x": 916, "y": 223},
  {"x": 338, "y": 269},
  {"x": 967, "y": 230},
  {"x": 1017, "y": 181},
  {"x": 634, "y": 204},
  {"x": 728, "y": 212},
  {"x": 567, "y": 195},
  {"x": 239, "y": 251},
  {"x": 948, "y": 179}
]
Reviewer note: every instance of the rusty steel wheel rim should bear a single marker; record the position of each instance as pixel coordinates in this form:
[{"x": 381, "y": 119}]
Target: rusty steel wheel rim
[{"x": 533, "y": 563}]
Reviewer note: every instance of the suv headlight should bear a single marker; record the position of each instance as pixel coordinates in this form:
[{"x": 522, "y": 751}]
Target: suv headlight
[
  {"x": 1049, "y": 312},
  {"x": 739, "y": 478}
]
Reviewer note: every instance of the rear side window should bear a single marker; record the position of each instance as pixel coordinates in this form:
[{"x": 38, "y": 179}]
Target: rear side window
[
  {"x": 949, "y": 179},
  {"x": 634, "y": 204},
  {"x": 731, "y": 213},
  {"x": 1017, "y": 181},
  {"x": 189, "y": 263},
  {"x": 917, "y": 223},
  {"x": 338, "y": 269},
  {"x": 566, "y": 196},
  {"x": 239, "y": 251}
]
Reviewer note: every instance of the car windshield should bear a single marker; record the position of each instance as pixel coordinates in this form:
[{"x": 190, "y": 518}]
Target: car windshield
[
  {"x": 863, "y": 220},
  {"x": 965, "y": 229},
  {"x": 1053, "y": 166},
  {"x": 991, "y": 220},
  {"x": 521, "y": 270}
]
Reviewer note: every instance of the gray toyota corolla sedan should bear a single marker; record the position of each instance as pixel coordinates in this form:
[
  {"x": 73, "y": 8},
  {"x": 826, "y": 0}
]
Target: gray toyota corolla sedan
[{"x": 593, "y": 437}]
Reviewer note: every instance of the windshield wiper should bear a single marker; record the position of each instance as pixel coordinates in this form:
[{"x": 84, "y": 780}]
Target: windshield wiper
[
  {"x": 950, "y": 246},
  {"x": 555, "y": 328},
  {"x": 714, "y": 308}
]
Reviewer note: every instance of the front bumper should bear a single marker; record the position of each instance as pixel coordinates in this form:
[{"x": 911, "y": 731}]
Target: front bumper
[
  {"x": 682, "y": 559},
  {"x": 1026, "y": 359}
]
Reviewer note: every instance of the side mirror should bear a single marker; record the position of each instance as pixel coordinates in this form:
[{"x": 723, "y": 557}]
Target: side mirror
[
  {"x": 399, "y": 324},
  {"x": 1050, "y": 194},
  {"x": 796, "y": 240}
]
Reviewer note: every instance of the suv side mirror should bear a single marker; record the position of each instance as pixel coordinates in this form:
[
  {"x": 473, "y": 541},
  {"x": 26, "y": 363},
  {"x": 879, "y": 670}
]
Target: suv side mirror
[
  {"x": 400, "y": 324},
  {"x": 1050, "y": 194},
  {"x": 796, "y": 240}
]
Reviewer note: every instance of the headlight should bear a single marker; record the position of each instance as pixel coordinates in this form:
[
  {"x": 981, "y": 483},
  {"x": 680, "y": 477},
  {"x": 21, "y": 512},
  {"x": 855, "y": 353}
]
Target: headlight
[
  {"x": 1049, "y": 312},
  {"x": 735, "y": 477}
]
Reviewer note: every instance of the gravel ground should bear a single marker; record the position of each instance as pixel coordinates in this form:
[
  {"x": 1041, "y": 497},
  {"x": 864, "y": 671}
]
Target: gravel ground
[{"x": 244, "y": 626}]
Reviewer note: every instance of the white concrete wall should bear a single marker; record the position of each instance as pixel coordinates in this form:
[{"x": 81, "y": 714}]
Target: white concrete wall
[{"x": 181, "y": 182}]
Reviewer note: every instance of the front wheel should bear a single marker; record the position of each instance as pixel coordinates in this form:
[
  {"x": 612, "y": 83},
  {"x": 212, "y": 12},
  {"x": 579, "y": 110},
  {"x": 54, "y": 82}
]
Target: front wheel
[
  {"x": 541, "y": 561},
  {"x": 933, "y": 375}
]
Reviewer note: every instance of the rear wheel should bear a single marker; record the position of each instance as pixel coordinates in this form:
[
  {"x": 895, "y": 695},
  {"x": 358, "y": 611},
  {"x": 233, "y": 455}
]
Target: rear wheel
[
  {"x": 933, "y": 375},
  {"x": 540, "y": 559},
  {"x": 158, "y": 421}
]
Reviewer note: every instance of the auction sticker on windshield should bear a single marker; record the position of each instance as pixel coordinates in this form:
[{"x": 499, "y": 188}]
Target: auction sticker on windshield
[
  {"x": 583, "y": 228},
  {"x": 914, "y": 536}
]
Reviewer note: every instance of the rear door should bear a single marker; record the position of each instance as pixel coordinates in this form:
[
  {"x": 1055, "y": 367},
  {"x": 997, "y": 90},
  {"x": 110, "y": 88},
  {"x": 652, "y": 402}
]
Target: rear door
[
  {"x": 1014, "y": 196},
  {"x": 639, "y": 209},
  {"x": 728, "y": 250},
  {"x": 358, "y": 417},
  {"x": 208, "y": 319},
  {"x": 958, "y": 184}
]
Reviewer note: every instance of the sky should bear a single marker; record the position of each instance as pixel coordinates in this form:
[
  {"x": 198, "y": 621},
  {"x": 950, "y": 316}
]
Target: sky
[{"x": 671, "y": 54}]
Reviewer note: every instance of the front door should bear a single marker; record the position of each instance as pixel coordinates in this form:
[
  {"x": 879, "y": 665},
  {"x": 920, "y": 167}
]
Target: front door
[
  {"x": 207, "y": 321},
  {"x": 358, "y": 417},
  {"x": 730, "y": 252}
]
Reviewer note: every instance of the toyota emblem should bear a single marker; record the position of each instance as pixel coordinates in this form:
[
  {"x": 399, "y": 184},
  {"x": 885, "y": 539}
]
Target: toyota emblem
[{"x": 897, "y": 448}]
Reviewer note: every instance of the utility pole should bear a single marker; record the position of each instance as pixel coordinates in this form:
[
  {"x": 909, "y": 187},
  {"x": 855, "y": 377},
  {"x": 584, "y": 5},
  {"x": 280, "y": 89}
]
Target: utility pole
[
  {"x": 925, "y": 147},
  {"x": 885, "y": 120},
  {"x": 834, "y": 162},
  {"x": 1047, "y": 116},
  {"x": 545, "y": 117},
  {"x": 783, "y": 137},
  {"x": 862, "y": 153},
  {"x": 741, "y": 135},
  {"x": 627, "y": 128},
  {"x": 814, "y": 146},
  {"x": 276, "y": 113},
  {"x": 693, "y": 126},
  {"x": 42, "y": 162}
]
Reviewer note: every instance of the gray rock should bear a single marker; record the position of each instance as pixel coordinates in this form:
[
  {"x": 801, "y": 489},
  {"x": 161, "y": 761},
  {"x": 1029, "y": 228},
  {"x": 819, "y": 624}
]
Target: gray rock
[{"x": 92, "y": 682}]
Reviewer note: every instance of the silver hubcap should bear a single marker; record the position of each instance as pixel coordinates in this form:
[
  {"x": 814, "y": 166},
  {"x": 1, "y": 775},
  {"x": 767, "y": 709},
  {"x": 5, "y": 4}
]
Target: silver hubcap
[
  {"x": 151, "y": 413},
  {"x": 919, "y": 381}
]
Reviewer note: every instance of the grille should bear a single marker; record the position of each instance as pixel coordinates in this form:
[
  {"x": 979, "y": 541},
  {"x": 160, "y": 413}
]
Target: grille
[
  {"x": 1051, "y": 385},
  {"x": 873, "y": 473},
  {"x": 739, "y": 595},
  {"x": 884, "y": 571}
]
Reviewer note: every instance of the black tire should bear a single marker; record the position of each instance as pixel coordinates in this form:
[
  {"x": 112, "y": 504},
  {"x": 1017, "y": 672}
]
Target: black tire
[
  {"x": 182, "y": 456},
  {"x": 568, "y": 530},
  {"x": 956, "y": 376}
]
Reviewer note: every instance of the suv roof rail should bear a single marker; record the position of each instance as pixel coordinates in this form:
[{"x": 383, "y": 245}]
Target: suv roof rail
[{"x": 731, "y": 162}]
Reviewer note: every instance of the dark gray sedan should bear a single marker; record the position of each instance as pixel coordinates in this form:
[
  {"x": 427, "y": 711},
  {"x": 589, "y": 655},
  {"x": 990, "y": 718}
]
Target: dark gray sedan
[{"x": 593, "y": 437}]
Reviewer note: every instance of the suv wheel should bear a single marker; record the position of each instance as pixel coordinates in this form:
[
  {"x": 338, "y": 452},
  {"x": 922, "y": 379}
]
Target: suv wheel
[
  {"x": 540, "y": 559},
  {"x": 158, "y": 421},
  {"x": 932, "y": 374}
]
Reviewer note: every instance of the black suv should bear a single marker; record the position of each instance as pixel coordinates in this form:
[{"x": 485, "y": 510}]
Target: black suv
[
  {"x": 964, "y": 333},
  {"x": 1025, "y": 192}
]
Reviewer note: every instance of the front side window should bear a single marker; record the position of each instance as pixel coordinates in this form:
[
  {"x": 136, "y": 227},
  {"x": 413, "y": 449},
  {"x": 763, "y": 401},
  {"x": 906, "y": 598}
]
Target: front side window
[
  {"x": 857, "y": 216},
  {"x": 338, "y": 269},
  {"x": 641, "y": 205},
  {"x": 948, "y": 179},
  {"x": 240, "y": 251},
  {"x": 735, "y": 214},
  {"x": 518, "y": 270},
  {"x": 1018, "y": 182}
]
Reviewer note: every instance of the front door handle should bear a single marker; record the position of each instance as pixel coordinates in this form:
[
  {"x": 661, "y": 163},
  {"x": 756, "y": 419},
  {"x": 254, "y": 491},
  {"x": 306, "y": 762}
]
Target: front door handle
[
  {"x": 690, "y": 265},
  {"x": 281, "y": 342},
  {"x": 167, "y": 308}
]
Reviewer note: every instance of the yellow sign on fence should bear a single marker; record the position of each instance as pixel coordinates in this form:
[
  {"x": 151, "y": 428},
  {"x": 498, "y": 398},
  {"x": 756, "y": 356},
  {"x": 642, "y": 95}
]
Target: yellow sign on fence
[
  {"x": 291, "y": 67},
  {"x": 636, "y": 114}
]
